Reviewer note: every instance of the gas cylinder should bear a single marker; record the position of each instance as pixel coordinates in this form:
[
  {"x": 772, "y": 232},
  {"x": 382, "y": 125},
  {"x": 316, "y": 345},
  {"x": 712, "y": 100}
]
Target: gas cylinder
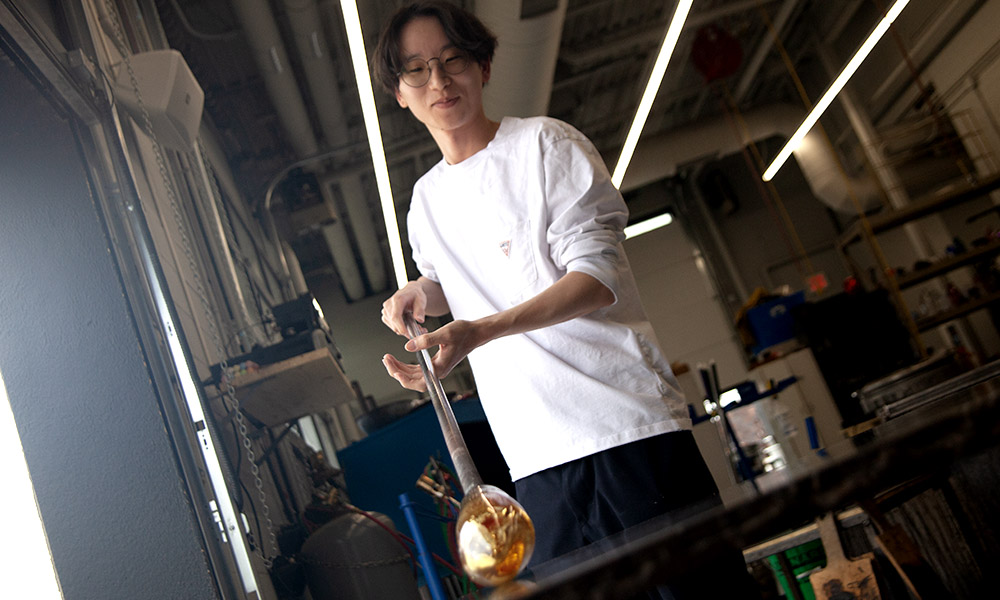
[{"x": 352, "y": 557}]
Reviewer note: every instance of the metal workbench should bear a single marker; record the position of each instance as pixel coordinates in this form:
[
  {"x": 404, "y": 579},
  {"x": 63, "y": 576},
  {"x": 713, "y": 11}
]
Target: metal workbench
[{"x": 945, "y": 425}]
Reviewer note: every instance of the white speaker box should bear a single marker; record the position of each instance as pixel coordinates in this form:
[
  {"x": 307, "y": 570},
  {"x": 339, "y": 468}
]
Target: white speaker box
[{"x": 170, "y": 93}]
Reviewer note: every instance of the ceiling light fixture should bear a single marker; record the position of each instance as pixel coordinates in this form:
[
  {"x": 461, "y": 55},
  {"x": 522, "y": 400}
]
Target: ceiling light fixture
[
  {"x": 648, "y": 225},
  {"x": 655, "y": 79},
  {"x": 838, "y": 84},
  {"x": 359, "y": 59}
]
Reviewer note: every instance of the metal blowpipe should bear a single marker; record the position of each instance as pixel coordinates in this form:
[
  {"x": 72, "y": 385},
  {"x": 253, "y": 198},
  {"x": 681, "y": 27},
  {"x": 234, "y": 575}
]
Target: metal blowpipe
[{"x": 494, "y": 535}]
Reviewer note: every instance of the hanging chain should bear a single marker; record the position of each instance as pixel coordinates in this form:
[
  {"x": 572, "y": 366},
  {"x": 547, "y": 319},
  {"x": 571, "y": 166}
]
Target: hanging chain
[
  {"x": 230, "y": 391},
  {"x": 229, "y": 396},
  {"x": 361, "y": 564}
]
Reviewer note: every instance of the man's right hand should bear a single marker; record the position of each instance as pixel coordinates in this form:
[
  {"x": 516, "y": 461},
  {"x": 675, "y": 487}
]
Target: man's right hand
[
  {"x": 421, "y": 297},
  {"x": 411, "y": 298}
]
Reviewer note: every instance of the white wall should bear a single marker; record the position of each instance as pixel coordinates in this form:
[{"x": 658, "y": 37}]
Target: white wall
[
  {"x": 682, "y": 303},
  {"x": 363, "y": 339}
]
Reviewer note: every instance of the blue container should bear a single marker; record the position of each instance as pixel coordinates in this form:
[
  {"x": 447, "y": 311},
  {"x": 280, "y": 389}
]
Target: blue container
[
  {"x": 771, "y": 322},
  {"x": 387, "y": 463}
]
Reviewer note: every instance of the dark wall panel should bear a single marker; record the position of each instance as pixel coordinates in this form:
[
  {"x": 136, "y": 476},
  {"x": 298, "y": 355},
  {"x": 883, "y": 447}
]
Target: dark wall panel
[{"x": 119, "y": 522}]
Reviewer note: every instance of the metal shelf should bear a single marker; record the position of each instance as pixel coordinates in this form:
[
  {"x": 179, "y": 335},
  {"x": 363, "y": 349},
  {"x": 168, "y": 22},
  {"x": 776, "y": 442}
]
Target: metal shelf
[
  {"x": 946, "y": 197},
  {"x": 948, "y": 264},
  {"x": 309, "y": 383},
  {"x": 963, "y": 309}
]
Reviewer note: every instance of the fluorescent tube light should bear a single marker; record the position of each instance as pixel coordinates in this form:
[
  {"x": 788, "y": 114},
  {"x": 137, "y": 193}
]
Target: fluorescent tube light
[
  {"x": 655, "y": 79},
  {"x": 359, "y": 59},
  {"x": 648, "y": 225},
  {"x": 838, "y": 84}
]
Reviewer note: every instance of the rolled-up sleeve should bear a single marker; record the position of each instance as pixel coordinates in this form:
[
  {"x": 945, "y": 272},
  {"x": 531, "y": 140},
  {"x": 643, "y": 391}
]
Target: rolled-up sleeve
[{"x": 586, "y": 213}]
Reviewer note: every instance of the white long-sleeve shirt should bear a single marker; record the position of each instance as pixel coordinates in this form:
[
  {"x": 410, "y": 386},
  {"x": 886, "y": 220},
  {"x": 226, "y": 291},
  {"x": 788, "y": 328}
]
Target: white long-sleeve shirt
[{"x": 499, "y": 228}]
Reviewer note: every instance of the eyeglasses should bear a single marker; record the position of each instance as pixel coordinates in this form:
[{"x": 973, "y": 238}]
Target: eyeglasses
[{"x": 417, "y": 71}]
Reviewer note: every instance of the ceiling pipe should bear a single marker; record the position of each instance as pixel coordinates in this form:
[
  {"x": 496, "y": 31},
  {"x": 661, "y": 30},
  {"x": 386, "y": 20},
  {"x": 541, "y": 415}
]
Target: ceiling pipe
[
  {"x": 364, "y": 227},
  {"x": 660, "y": 156},
  {"x": 264, "y": 38},
  {"x": 262, "y": 35},
  {"x": 764, "y": 49},
  {"x": 888, "y": 177},
  {"x": 269, "y": 53},
  {"x": 313, "y": 50},
  {"x": 317, "y": 64},
  {"x": 525, "y": 61},
  {"x": 295, "y": 270},
  {"x": 652, "y": 37},
  {"x": 343, "y": 257}
]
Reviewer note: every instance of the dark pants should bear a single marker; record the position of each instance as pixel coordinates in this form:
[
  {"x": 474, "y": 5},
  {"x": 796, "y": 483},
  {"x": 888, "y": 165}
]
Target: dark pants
[{"x": 584, "y": 501}]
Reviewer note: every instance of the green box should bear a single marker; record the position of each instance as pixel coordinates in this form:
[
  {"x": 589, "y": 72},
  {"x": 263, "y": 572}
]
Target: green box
[{"x": 802, "y": 559}]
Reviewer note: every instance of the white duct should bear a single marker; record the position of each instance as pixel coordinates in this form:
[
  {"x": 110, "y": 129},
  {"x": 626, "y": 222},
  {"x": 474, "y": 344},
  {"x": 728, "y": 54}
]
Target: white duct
[
  {"x": 363, "y": 226},
  {"x": 310, "y": 42},
  {"x": 660, "y": 156},
  {"x": 294, "y": 270},
  {"x": 269, "y": 53},
  {"x": 521, "y": 75},
  {"x": 339, "y": 243},
  {"x": 343, "y": 257}
]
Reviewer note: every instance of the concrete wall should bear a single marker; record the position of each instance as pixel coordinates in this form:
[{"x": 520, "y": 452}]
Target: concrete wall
[{"x": 119, "y": 522}]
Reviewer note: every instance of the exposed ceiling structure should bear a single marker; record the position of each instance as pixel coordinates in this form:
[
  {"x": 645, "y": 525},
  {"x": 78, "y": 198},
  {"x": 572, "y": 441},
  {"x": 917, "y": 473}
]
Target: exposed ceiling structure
[{"x": 280, "y": 90}]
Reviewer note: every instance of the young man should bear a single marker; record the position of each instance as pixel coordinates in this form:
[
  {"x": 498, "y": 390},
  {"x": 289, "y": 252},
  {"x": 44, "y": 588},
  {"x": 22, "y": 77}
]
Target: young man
[{"x": 517, "y": 233}]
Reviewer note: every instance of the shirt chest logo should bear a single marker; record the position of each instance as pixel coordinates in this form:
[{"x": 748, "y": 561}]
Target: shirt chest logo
[{"x": 505, "y": 248}]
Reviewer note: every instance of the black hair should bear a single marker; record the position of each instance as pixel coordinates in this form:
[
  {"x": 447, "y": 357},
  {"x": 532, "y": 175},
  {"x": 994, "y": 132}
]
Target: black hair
[{"x": 461, "y": 27}]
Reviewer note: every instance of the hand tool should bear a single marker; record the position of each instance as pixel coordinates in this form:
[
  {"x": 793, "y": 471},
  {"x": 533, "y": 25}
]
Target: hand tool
[{"x": 495, "y": 536}]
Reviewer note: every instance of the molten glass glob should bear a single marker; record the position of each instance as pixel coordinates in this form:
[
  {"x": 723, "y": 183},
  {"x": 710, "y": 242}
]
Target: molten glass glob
[{"x": 495, "y": 536}]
